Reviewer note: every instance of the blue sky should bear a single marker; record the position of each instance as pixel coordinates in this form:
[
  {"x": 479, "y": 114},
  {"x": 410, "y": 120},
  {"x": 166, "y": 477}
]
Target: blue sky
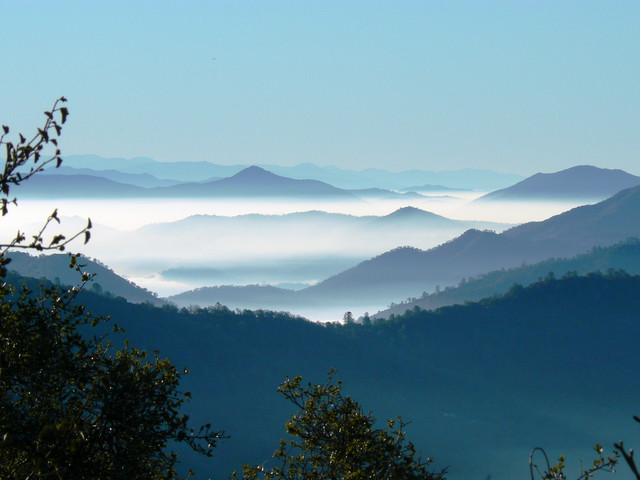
[{"x": 513, "y": 86}]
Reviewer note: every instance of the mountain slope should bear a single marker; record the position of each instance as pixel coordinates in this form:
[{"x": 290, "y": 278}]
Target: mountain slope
[
  {"x": 55, "y": 268},
  {"x": 138, "y": 179},
  {"x": 77, "y": 186},
  {"x": 254, "y": 182},
  {"x": 624, "y": 255},
  {"x": 482, "y": 383},
  {"x": 407, "y": 272},
  {"x": 604, "y": 223},
  {"x": 582, "y": 182}
]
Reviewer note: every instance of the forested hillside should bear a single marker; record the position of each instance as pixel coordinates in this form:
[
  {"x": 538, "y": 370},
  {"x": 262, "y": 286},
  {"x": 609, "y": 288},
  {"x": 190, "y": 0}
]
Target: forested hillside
[
  {"x": 624, "y": 255},
  {"x": 483, "y": 383}
]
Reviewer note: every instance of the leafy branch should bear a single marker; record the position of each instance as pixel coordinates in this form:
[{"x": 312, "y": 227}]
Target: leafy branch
[
  {"x": 24, "y": 159},
  {"x": 556, "y": 472},
  {"x": 628, "y": 455}
]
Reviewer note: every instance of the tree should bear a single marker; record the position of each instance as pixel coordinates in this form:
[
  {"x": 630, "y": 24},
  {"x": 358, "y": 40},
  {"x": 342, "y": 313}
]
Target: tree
[
  {"x": 334, "y": 439},
  {"x": 601, "y": 463},
  {"x": 72, "y": 406}
]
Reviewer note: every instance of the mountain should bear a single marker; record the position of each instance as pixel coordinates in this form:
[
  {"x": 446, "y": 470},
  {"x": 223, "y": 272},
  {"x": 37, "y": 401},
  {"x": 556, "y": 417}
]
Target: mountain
[
  {"x": 251, "y": 182},
  {"x": 581, "y": 182},
  {"x": 77, "y": 186},
  {"x": 138, "y": 179},
  {"x": 254, "y": 182},
  {"x": 184, "y": 171},
  {"x": 249, "y": 296},
  {"x": 621, "y": 256},
  {"x": 380, "y": 193},
  {"x": 432, "y": 189},
  {"x": 416, "y": 218},
  {"x": 407, "y": 272},
  {"x": 177, "y": 171},
  {"x": 581, "y": 228},
  {"x": 553, "y": 365},
  {"x": 55, "y": 268},
  {"x": 316, "y": 241},
  {"x": 349, "y": 179}
]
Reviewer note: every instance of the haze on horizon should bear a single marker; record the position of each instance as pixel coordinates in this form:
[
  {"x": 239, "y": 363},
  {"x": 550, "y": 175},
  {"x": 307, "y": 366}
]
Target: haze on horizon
[{"x": 516, "y": 87}]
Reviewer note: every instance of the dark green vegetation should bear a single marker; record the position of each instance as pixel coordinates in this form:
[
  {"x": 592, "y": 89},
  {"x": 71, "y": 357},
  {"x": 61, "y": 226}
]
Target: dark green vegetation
[
  {"x": 550, "y": 364},
  {"x": 71, "y": 405},
  {"x": 332, "y": 437}
]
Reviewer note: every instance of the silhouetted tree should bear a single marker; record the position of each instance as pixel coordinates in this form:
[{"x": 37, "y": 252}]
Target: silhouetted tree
[
  {"x": 333, "y": 438},
  {"x": 71, "y": 405}
]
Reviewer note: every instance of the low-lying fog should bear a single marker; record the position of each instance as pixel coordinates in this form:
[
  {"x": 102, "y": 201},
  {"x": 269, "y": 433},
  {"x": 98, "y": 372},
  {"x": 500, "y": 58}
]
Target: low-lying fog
[{"x": 160, "y": 246}]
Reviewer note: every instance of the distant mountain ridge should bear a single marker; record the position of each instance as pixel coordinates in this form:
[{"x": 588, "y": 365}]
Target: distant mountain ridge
[
  {"x": 184, "y": 171},
  {"x": 249, "y": 183},
  {"x": 582, "y": 181}
]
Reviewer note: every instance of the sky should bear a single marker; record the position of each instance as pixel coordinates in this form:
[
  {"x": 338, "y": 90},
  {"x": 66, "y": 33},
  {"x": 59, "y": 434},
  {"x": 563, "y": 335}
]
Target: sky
[{"x": 511, "y": 86}]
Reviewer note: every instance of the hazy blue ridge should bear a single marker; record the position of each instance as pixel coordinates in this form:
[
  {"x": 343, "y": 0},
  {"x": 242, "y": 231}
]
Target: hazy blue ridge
[
  {"x": 77, "y": 186},
  {"x": 183, "y": 171},
  {"x": 582, "y": 182},
  {"x": 249, "y": 183},
  {"x": 145, "y": 180},
  {"x": 186, "y": 171}
]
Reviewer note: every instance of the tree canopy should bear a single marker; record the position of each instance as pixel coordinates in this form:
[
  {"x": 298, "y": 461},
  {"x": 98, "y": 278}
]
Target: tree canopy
[
  {"x": 71, "y": 404},
  {"x": 332, "y": 438}
]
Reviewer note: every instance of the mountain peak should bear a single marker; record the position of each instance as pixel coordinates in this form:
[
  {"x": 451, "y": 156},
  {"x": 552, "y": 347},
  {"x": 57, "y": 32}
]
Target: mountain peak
[{"x": 254, "y": 173}]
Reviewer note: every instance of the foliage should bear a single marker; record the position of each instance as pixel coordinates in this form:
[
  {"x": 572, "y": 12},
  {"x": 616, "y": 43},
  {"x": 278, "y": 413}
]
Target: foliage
[
  {"x": 23, "y": 160},
  {"x": 601, "y": 463},
  {"x": 72, "y": 405},
  {"x": 334, "y": 439},
  {"x": 628, "y": 455}
]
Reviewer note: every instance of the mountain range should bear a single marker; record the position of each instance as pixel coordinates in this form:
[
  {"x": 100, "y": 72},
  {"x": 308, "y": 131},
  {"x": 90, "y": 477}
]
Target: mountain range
[
  {"x": 250, "y": 182},
  {"x": 345, "y": 179},
  {"x": 406, "y": 272}
]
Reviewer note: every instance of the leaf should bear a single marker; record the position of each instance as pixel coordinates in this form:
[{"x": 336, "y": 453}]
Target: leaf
[
  {"x": 87, "y": 236},
  {"x": 44, "y": 134},
  {"x": 57, "y": 239},
  {"x": 65, "y": 113},
  {"x": 5, "y": 128}
]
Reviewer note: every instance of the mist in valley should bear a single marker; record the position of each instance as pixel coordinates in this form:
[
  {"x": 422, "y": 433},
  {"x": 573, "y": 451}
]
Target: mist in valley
[{"x": 173, "y": 245}]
